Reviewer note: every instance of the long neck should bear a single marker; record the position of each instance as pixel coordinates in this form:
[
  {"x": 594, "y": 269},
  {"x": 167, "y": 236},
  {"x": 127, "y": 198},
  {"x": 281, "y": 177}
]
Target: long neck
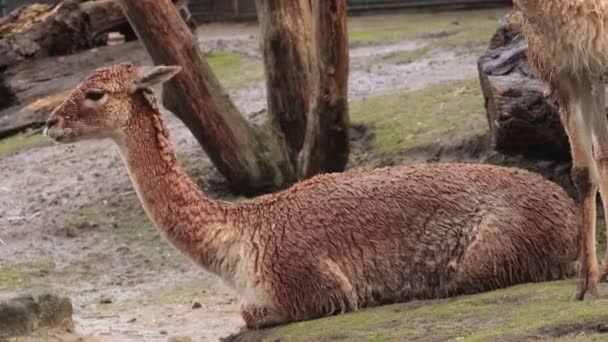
[{"x": 195, "y": 224}]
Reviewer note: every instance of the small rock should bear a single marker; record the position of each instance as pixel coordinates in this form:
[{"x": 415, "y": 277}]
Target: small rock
[
  {"x": 163, "y": 332},
  {"x": 196, "y": 305},
  {"x": 105, "y": 300},
  {"x": 132, "y": 320},
  {"x": 24, "y": 314},
  {"x": 180, "y": 339},
  {"x": 70, "y": 232}
]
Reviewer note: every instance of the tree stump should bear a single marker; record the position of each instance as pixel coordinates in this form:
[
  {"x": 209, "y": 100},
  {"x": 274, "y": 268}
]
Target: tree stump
[{"x": 523, "y": 119}]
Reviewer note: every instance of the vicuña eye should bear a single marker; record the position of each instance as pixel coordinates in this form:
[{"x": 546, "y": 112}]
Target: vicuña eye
[{"x": 94, "y": 95}]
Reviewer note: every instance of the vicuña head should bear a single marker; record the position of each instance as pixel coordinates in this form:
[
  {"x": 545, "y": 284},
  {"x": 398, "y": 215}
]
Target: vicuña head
[
  {"x": 102, "y": 105},
  {"x": 336, "y": 242}
]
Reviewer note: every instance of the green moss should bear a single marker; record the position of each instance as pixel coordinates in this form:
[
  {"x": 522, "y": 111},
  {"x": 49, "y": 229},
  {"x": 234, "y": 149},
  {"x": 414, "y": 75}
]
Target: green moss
[
  {"x": 411, "y": 120},
  {"x": 222, "y": 59},
  {"x": 24, "y": 275},
  {"x": 524, "y": 310},
  {"x": 234, "y": 71},
  {"x": 20, "y": 142}
]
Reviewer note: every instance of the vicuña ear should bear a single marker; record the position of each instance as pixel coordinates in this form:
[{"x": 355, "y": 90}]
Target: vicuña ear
[{"x": 148, "y": 76}]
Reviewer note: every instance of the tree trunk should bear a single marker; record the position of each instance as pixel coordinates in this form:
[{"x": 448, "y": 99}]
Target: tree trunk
[
  {"x": 250, "y": 164},
  {"x": 326, "y": 145},
  {"x": 286, "y": 28}
]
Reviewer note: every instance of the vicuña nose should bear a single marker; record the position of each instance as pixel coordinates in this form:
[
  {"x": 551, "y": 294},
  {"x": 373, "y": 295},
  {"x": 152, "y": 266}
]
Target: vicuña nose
[{"x": 52, "y": 121}]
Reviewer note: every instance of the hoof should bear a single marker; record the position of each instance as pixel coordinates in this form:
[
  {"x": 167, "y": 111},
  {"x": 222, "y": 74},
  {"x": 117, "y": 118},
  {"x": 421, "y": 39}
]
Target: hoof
[{"x": 587, "y": 287}]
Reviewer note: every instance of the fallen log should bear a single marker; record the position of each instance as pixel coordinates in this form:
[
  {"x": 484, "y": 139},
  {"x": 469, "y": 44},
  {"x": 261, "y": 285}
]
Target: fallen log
[
  {"x": 39, "y": 30},
  {"x": 64, "y": 28},
  {"x": 523, "y": 119},
  {"x": 69, "y": 26}
]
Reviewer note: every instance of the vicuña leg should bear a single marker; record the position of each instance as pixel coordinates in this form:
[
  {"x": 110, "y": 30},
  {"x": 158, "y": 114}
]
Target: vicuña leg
[
  {"x": 600, "y": 152},
  {"x": 257, "y": 317},
  {"x": 574, "y": 91}
]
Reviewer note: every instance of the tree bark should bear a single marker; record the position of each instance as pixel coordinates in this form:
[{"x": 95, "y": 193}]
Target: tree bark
[
  {"x": 326, "y": 145},
  {"x": 286, "y": 28},
  {"x": 251, "y": 163}
]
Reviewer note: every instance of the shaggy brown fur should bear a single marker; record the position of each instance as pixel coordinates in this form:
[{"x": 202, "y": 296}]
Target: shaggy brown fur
[
  {"x": 336, "y": 242},
  {"x": 568, "y": 47}
]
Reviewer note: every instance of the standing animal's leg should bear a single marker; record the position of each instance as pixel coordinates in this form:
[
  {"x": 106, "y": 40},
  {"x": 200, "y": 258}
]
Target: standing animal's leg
[
  {"x": 573, "y": 91},
  {"x": 600, "y": 152}
]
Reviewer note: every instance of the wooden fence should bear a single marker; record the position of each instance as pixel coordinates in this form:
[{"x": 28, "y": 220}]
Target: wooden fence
[
  {"x": 219, "y": 10},
  {"x": 229, "y": 10}
]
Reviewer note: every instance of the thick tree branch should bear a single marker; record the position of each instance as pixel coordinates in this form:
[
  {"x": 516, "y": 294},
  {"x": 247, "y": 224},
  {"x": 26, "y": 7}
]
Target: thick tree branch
[{"x": 198, "y": 99}]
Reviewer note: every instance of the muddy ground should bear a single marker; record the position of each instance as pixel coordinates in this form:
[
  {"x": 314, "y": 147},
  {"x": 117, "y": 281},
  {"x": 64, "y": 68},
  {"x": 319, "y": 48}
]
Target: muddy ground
[{"x": 69, "y": 218}]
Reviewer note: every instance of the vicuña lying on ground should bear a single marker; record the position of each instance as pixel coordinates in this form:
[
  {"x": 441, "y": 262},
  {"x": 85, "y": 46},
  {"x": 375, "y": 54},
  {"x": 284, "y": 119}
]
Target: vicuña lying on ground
[{"x": 336, "y": 242}]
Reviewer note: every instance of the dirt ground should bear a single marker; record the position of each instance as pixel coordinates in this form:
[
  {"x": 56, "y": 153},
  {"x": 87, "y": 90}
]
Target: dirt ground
[{"x": 69, "y": 218}]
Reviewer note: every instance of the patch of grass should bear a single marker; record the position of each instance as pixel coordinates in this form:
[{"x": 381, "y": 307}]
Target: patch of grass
[
  {"x": 524, "y": 310},
  {"x": 218, "y": 60},
  {"x": 436, "y": 114},
  {"x": 473, "y": 41},
  {"x": 20, "y": 142},
  {"x": 234, "y": 71},
  {"x": 412, "y": 25},
  {"x": 24, "y": 275},
  {"x": 381, "y": 34},
  {"x": 444, "y": 32},
  {"x": 408, "y": 56}
]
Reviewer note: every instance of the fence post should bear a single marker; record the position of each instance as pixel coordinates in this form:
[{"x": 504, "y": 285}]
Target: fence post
[{"x": 3, "y": 7}]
